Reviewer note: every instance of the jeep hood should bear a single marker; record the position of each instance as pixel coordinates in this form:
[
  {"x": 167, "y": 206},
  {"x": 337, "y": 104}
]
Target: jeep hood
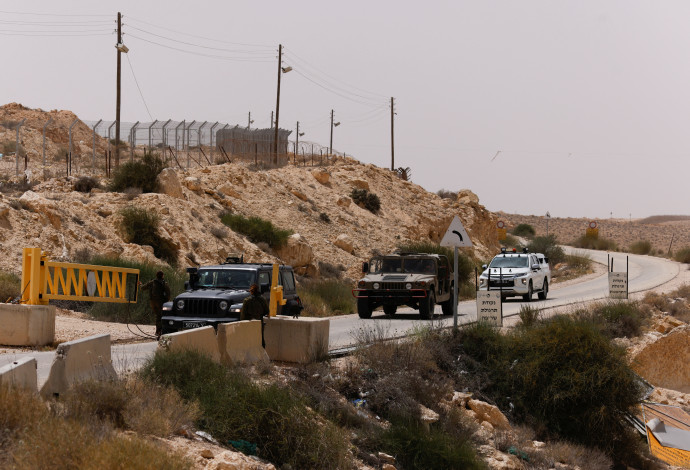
[
  {"x": 495, "y": 272},
  {"x": 397, "y": 277},
  {"x": 235, "y": 296}
]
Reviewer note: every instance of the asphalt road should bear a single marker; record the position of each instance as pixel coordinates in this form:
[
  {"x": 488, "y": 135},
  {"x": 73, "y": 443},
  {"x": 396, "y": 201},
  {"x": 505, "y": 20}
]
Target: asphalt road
[{"x": 645, "y": 273}]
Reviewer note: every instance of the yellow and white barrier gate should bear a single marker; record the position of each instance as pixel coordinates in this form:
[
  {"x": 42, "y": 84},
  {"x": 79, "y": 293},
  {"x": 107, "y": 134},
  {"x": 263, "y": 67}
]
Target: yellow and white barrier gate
[{"x": 43, "y": 280}]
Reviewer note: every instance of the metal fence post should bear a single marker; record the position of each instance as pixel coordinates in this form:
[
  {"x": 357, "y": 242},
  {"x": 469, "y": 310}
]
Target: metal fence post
[
  {"x": 133, "y": 139},
  {"x": 107, "y": 157},
  {"x": 152, "y": 124},
  {"x": 198, "y": 134},
  {"x": 16, "y": 148},
  {"x": 164, "y": 137},
  {"x": 189, "y": 130},
  {"x": 177, "y": 143},
  {"x": 44, "y": 140},
  {"x": 69, "y": 156},
  {"x": 211, "y": 140},
  {"x": 93, "y": 158}
]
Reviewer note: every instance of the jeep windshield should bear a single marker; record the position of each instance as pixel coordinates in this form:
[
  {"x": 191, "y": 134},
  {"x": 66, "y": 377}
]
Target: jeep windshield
[
  {"x": 510, "y": 262},
  {"x": 402, "y": 265},
  {"x": 225, "y": 279}
]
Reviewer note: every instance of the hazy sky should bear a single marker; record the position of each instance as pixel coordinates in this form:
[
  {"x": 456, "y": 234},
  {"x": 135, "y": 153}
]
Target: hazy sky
[{"x": 579, "y": 108}]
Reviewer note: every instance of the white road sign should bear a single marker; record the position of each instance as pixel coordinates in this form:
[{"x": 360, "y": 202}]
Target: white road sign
[
  {"x": 456, "y": 235},
  {"x": 489, "y": 307},
  {"x": 618, "y": 285}
]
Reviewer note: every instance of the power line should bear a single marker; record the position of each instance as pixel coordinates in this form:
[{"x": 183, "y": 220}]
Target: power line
[
  {"x": 309, "y": 65},
  {"x": 56, "y": 35},
  {"x": 53, "y": 23},
  {"x": 333, "y": 91},
  {"x": 263, "y": 53},
  {"x": 237, "y": 59},
  {"x": 48, "y": 14},
  {"x": 200, "y": 37},
  {"x": 138, "y": 87}
]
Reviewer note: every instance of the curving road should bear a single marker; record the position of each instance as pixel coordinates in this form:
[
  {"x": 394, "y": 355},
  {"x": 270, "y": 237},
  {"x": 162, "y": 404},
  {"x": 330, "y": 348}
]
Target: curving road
[{"x": 646, "y": 272}]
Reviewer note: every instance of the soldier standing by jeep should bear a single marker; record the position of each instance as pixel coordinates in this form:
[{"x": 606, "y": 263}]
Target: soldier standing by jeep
[
  {"x": 159, "y": 293},
  {"x": 255, "y": 307}
]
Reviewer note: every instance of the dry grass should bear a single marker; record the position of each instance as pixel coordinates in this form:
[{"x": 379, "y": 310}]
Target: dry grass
[{"x": 32, "y": 436}]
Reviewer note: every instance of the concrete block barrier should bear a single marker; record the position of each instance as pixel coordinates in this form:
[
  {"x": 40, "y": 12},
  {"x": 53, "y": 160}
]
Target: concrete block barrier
[
  {"x": 21, "y": 373},
  {"x": 240, "y": 342},
  {"x": 27, "y": 325},
  {"x": 202, "y": 340},
  {"x": 77, "y": 361},
  {"x": 296, "y": 339}
]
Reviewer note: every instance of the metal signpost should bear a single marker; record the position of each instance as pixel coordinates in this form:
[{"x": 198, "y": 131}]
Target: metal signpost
[
  {"x": 618, "y": 282},
  {"x": 490, "y": 307},
  {"x": 456, "y": 236},
  {"x": 501, "y": 230}
]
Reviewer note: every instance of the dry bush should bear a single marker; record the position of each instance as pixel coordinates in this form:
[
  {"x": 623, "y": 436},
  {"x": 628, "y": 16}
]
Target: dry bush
[
  {"x": 658, "y": 301},
  {"x": 641, "y": 247},
  {"x": 219, "y": 232},
  {"x": 576, "y": 455},
  {"x": 132, "y": 404},
  {"x": 446, "y": 194},
  {"x": 10, "y": 286}
]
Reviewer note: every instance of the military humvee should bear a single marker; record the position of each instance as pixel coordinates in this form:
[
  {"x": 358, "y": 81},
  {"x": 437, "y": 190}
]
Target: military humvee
[{"x": 417, "y": 280}]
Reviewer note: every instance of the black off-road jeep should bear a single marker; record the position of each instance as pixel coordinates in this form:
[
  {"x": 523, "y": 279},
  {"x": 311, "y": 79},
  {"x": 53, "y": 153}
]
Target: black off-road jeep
[{"x": 214, "y": 294}]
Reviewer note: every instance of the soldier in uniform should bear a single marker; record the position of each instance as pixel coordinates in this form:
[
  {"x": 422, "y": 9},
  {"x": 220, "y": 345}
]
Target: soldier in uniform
[
  {"x": 255, "y": 307},
  {"x": 159, "y": 293}
]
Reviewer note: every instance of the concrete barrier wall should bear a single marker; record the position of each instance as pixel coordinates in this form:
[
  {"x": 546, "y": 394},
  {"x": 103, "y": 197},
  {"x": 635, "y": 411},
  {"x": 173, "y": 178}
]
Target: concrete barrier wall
[
  {"x": 27, "y": 325},
  {"x": 21, "y": 373},
  {"x": 202, "y": 340},
  {"x": 79, "y": 360},
  {"x": 240, "y": 342},
  {"x": 296, "y": 339}
]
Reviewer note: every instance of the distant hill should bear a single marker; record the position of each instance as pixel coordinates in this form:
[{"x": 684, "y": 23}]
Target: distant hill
[{"x": 660, "y": 219}]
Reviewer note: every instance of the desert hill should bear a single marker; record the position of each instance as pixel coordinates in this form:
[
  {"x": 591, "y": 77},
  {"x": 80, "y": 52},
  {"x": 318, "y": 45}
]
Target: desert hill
[
  {"x": 660, "y": 231},
  {"x": 313, "y": 202}
]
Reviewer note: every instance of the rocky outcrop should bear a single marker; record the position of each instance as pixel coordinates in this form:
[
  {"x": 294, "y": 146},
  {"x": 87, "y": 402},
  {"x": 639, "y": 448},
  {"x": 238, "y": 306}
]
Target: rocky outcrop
[
  {"x": 299, "y": 254},
  {"x": 169, "y": 184},
  {"x": 666, "y": 361}
]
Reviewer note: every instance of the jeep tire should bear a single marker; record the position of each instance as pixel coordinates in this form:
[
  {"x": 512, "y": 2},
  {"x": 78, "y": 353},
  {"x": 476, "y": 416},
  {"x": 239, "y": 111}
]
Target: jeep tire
[
  {"x": 530, "y": 290},
  {"x": 426, "y": 306},
  {"x": 447, "y": 306},
  {"x": 363, "y": 308},
  {"x": 390, "y": 310}
]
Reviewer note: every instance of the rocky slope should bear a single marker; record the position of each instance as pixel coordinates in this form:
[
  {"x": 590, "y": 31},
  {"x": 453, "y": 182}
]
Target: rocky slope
[{"x": 312, "y": 202}]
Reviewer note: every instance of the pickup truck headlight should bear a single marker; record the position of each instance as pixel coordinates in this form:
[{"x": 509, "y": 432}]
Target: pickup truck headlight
[
  {"x": 482, "y": 281},
  {"x": 180, "y": 304}
]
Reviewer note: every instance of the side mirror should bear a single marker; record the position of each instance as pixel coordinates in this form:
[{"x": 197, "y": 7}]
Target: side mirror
[
  {"x": 265, "y": 288},
  {"x": 546, "y": 260},
  {"x": 536, "y": 267},
  {"x": 484, "y": 266},
  {"x": 365, "y": 267},
  {"x": 186, "y": 285}
]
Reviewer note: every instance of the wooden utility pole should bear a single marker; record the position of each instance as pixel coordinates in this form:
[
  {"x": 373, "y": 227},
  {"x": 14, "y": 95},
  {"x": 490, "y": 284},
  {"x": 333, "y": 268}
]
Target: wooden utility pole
[
  {"x": 117, "y": 104},
  {"x": 271, "y": 119},
  {"x": 330, "y": 147},
  {"x": 392, "y": 139},
  {"x": 249, "y": 120},
  {"x": 275, "y": 137}
]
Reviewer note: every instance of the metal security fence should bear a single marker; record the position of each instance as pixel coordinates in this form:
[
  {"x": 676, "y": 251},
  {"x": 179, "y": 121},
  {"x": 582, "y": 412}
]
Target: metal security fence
[{"x": 77, "y": 147}]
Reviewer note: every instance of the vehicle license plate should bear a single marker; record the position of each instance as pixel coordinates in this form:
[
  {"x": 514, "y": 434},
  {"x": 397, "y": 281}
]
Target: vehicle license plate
[{"x": 192, "y": 324}]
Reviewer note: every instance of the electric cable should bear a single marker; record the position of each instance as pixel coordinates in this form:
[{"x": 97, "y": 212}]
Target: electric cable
[
  {"x": 138, "y": 87},
  {"x": 199, "y": 37},
  {"x": 50, "y": 14},
  {"x": 331, "y": 90},
  {"x": 262, "y": 53},
  {"x": 232, "y": 59}
]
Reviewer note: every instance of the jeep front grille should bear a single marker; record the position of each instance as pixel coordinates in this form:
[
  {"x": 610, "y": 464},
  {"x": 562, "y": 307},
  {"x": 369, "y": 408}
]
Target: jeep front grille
[
  {"x": 393, "y": 285},
  {"x": 200, "y": 307}
]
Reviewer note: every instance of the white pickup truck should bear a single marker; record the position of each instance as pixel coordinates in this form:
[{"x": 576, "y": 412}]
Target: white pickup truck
[{"x": 515, "y": 273}]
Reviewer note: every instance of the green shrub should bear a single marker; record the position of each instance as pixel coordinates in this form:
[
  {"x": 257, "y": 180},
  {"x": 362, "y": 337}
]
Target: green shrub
[
  {"x": 257, "y": 230},
  {"x": 549, "y": 247},
  {"x": 579, "y": 260},
  {"x": 86, "y": 183},
  {"x": 446, "y": 194},
  {"x": 140, "y": 174},
  {"x": 595, "y": 243},
  {"x": 616, "y": 319},
  {"x": 139, "y": 313},
  {"x": 326, "y": 297},
  {"x": 528, "y": 315},
  {"x": 524, "y": 230},
  {"x": 276, "y": 419},
  {"x": 683, "y": 255},
  {"x": 642, "y": 247},
  {"x": 366, "y": 200},
  {"x": 416, "y": 447},
  {"x": 10, "y": 286},
  {"x": 511, "y": 242},
  {"x": 140, "y": 226},
  {"x": 562, "y": 375}
]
